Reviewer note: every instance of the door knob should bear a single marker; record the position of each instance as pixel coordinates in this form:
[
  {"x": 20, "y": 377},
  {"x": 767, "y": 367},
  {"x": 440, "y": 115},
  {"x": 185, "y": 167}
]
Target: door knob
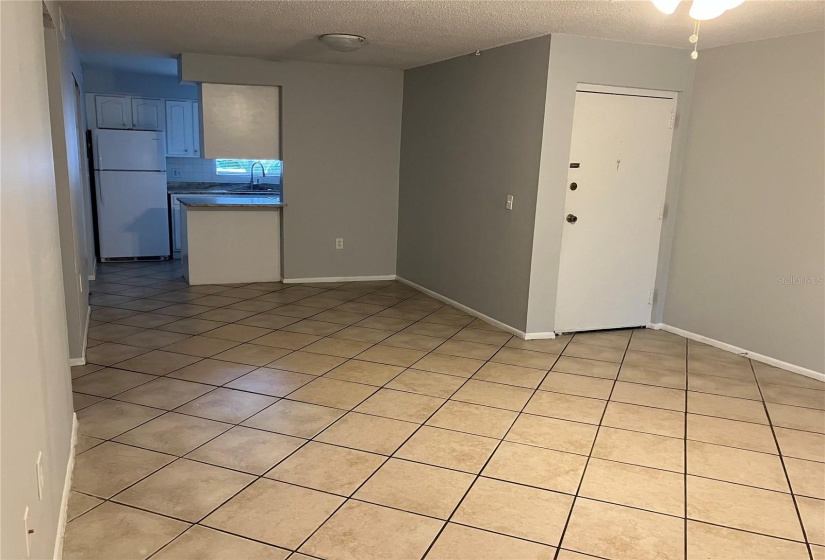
[
  {"x": 571, "y": 218},
  {"x": 573, "y": 186}
]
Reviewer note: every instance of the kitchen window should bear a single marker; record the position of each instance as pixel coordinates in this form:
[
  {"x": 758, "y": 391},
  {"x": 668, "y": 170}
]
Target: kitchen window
[{"x": 241, "y": 166}]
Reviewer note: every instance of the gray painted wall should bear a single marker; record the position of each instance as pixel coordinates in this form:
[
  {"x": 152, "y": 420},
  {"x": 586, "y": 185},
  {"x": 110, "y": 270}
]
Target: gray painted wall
[
  {"x": 35, "y": 385},
  {"x": 471, "y": 135},
  {"x": 752, "y": 206},
  {"x": 341, "y": 132},
  {"x": 596, "y": 61},
  {"x": 73, "y": 197}
]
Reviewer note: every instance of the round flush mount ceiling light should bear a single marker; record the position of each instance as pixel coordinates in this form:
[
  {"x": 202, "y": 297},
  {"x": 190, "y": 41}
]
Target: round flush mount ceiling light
[{"x": 343, "y": 42}]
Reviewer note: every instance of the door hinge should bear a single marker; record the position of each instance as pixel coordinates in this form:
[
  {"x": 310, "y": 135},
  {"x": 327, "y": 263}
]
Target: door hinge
[
  {"x": 661, "y": 211},
  {"x": 672, "y": 118},
  {"x": 650, "y": 297}
]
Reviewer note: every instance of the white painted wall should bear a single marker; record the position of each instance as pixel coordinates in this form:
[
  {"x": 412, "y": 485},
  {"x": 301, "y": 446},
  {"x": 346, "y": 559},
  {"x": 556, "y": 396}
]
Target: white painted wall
[
  {"x": 340, "y": 142},
  {"x": 752, "y": 203},
  {"x": 73, "y": 198},
  {"x": 35, "y": 387},
  {"x": 596, "y": 61}
]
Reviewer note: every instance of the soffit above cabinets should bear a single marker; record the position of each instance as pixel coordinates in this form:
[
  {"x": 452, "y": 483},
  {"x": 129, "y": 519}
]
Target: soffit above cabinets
[
  {"x": 240, "y": 122},
  {"x": 410, "y": 33}
]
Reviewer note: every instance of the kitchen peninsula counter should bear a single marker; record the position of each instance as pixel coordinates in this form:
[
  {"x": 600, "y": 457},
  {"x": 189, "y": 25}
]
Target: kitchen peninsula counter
[{"x": 231, "y": 239}]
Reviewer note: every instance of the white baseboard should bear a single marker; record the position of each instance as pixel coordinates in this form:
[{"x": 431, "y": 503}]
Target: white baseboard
[
  {"x": 81, "y": 361},
  {"x": 64, "y": 503},
  {"x": 478, "y": 314},
  {"x": 93, "y": 275},
  {"x": 740, "y": 351},
  {"x": 338, "y": 279}
]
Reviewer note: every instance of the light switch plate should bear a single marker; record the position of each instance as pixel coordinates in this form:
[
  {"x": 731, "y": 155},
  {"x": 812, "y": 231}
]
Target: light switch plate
[
  {"x": 177, "y": 173},
  {"x": 509, "y": 204}
]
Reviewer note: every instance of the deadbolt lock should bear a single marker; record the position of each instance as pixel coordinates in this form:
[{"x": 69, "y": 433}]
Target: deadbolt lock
[{"x": 571, "y": 218}]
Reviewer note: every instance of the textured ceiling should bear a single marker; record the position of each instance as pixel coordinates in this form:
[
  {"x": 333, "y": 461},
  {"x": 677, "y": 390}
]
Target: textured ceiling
[{"x": 403, "y": 33}]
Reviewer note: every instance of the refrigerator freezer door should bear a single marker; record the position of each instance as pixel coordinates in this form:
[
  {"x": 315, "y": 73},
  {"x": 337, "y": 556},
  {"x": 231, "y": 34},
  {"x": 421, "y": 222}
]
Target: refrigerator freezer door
[
  {"x": 129, "y": 150},
  {"x": 132, "y": 214}
]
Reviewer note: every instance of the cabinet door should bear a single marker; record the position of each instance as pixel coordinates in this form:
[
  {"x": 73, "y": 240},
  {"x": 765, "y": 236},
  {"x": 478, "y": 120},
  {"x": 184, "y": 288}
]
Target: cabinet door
[
  {"x": 147, "y": 114},
  {"x": 196, "y": 130},
  {"x": 179, "y": 128},
  {"x": 113, "y": 111}
]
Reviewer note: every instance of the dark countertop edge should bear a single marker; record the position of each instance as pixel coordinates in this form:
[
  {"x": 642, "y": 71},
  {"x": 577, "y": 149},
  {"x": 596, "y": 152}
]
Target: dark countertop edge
[
  {"x": 231, "y": 202},
  {"x": 218, "y": 192}
]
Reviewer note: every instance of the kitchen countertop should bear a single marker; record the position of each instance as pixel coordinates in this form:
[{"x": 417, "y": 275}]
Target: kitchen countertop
[
  {"x": 232, "y": 201},
  {"x": 220, "y": 188}
]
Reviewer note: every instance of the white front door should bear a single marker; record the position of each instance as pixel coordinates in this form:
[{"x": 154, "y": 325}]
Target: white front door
[{"x": 619, "y": 159}]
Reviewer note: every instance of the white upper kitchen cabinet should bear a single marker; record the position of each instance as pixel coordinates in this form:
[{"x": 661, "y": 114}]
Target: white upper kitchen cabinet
[
  {"x": 182, "y": 129},
  {"x": 240, "y": 122},
  {"x": 113, "y": 111},
  {"x": 147, "y": 114}
]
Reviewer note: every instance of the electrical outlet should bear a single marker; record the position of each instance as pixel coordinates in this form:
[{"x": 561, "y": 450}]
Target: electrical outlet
[
  {"x": 339, "y": 243},
  {"x": 509, "y": 204},
  {"x": 38, "y": 465},
  {"x": 28, "y": 533},
  {"x": 177, "y": 173}
]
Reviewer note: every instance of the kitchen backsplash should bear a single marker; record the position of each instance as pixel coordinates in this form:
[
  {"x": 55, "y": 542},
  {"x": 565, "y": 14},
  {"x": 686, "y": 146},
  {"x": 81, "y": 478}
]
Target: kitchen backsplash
[{"x": 199, "y": 170}]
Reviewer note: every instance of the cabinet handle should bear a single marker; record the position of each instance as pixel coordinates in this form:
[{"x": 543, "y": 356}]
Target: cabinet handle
[{"x": 186, "y": 150}]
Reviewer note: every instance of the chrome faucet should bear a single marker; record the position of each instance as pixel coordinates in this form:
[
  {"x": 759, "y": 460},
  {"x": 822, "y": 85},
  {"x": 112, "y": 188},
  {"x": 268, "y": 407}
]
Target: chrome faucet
[{"x": 252, "y": 174}]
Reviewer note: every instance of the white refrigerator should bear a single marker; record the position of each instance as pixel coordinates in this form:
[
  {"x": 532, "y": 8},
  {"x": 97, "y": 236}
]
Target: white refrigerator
[{"x": 131, "y": 201}]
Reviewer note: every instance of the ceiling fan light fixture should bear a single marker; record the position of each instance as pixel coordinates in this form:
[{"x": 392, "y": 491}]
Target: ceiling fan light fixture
[
  {"x": 666, "y": 6},
  {"x": 702, "y": 10},
  {"x": 343, "y": 42}
]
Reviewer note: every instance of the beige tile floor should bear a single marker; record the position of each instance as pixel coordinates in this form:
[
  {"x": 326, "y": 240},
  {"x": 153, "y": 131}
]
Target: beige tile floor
[{"x": 369, "y": 421}]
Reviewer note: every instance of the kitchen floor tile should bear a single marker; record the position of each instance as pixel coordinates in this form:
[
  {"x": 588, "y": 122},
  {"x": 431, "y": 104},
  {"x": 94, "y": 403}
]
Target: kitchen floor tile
[
  {"x": 140, "y": 533},
  {"x": 328, "y": 468},
  {"x": 358, "y": 531},
  {"x": 272, "y": 382},
  {"x": 368, "y": 373},
  {"x": 623, "y": 533},
  {"x": 212, "y": 372},
  {"x": 173, "y": 433},
  {"x": 566, "y": 407},
  {"x": 450, "y": 365},
  {"x": 447, "y": 448},
  {"x": 202, "y": 346},
  {"x": 109, "y": 382},
  {"x": 294, "y": 418},
  {"x": 645, "y": 419},
  {"x": 108, "y": 419},
  {"x": 247, "y": 450},
  {"x": 709, "y": 541},
  {"x": 305, "y": 362},
  {"x": 510, "y": 375},
  {"x": 273, "y": 512},
  {"x": 184, "y": 490},
  {"x": 736, "y": 465},
  {"x": 512, "y": 509},
  {"x": 580, "y": 385},
  {"x": 164, "y": 393},
  {"x": 473, "y": 419},
  {"x": 592, "y": 368},
  {"x": 635, "y": 486},
  {"x": 423, "y": 383},
  {"x": 535, "y": 466},
  {"x": 742, "y": 507},
  {"x": 458, "y": 542},
  {"x": 391, "y": 355},
  {"x": 227, "y": 405},
  {"x": 400, "y": 405},
  {"x": 202, "y": 543},
  {"x": 368, "y": 433},
  {"x": 636, "y": 448},
  {"x": 417, "y": 488},
  {"x": 333, "y": 393},
  {"x": 552, "y": 433},
  {"x": 493, "y": 394},
  {"x": 110, "y": 467},
  {"x": 252, "y": 354},
  {"x": 732, "y": 433}
]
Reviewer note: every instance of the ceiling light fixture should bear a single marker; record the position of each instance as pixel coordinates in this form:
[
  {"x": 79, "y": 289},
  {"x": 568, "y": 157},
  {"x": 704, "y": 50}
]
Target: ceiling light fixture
[
  {"x": 700, "y": 10},
  {"x": 343, "y": 42}
]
